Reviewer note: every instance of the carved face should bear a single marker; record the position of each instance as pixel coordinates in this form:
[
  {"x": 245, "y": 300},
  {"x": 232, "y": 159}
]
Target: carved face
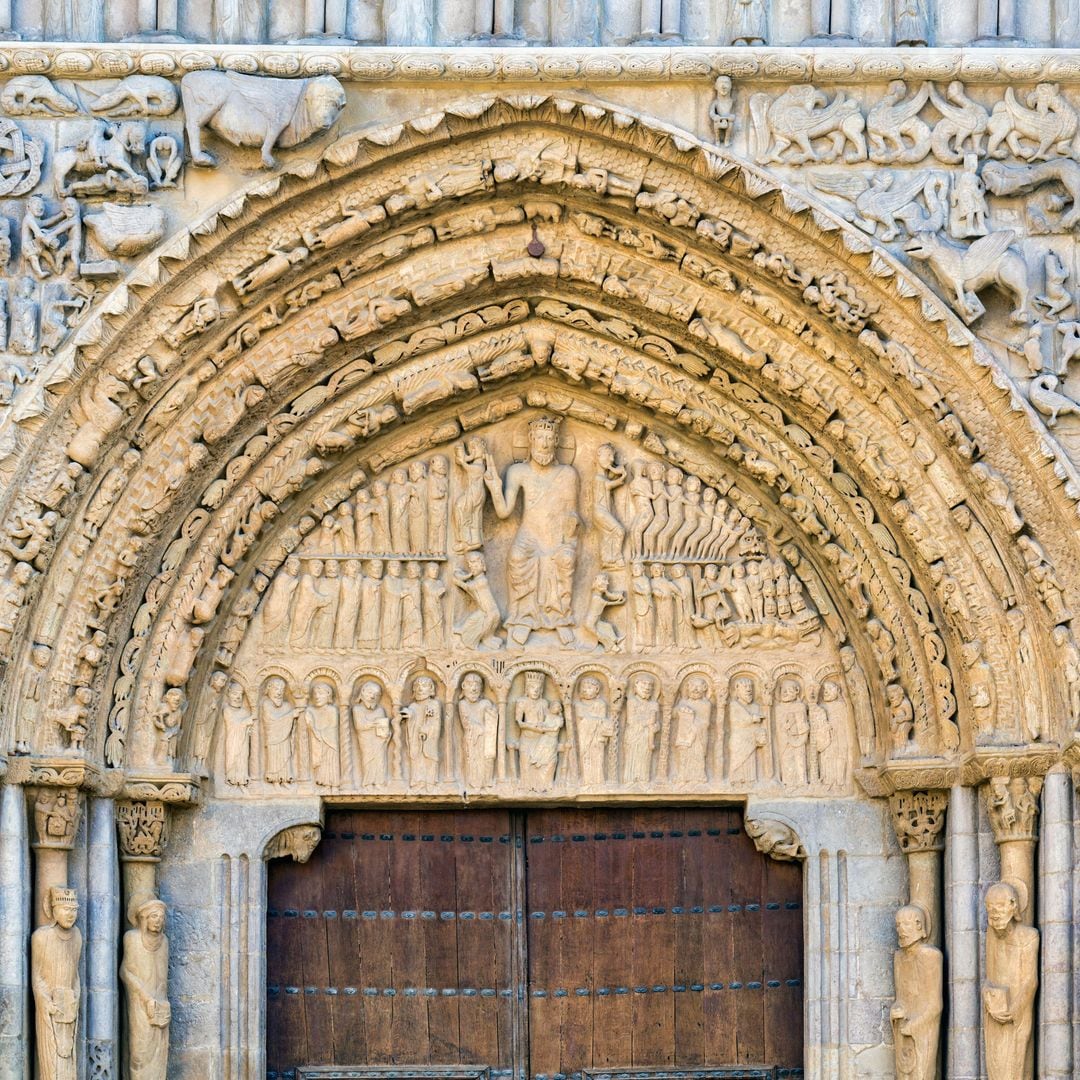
[
  {"x": 235, "y": 694},
  {"x": 331, "y": 569},
  {"x": 432, "y": 571},
  {"x": 910, "y": 926},
  {"x": 370, "y": 693},
  {"x": 744, "y": 691},
  {"x": 292, "y": 566},
  {"x": 643, "y": 687},
  {"x": 393, "y": 568},
  {"x": 378, "y": 488},
  {"x": 275, "y": 690},
  {"x": 439, "y": 466},
  {"x": 830, "y": 691},
  {"x": 534, "y": 686},
  {"x": 424, "y": 688},
  {"x": 656, "y": 570},
  {"x": 174, "y": 698},
  {"x": 374, "y": 569},
  {"x": 412, "y": 570},
  {"x": 65, "y": 912},
  {"x": 712, "y": 572},
  {"x": 417, "y": 470},
  {"x": 475, "y": 561},
  {"x": 152, "y": 918},
  {"x": 1002, "y": 906},
  {"x": 543, "y": 442},
  {"x": 605, "y": 455},
  {"x": 601, "y": 582},
  {"x": 789, "y": 690},
  {"x": 589, "y": 689},
  {"x": 315, "y": 567},
  {"x": 351, "y": 568},
  {"x": 471, "y": 686},
  {"x": 321, "y": 694},
  {"x": 697, "y": 688}
]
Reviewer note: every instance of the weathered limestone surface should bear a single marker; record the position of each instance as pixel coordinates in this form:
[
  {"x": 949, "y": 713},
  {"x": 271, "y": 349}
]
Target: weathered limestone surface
[{"x": 492, "y": 423}]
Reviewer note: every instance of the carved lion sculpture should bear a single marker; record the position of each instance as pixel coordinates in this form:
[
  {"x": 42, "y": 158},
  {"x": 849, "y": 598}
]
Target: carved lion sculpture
[
  {"x": 247, "y": 110},
  {"x": 775, "y": 839}
]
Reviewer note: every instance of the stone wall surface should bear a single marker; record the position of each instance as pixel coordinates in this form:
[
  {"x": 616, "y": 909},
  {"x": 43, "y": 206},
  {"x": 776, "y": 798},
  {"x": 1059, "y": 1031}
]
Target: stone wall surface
[{"x": 451, "y": 419}]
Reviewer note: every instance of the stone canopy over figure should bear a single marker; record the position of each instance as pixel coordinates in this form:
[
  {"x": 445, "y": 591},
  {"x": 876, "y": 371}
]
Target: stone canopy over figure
[{"x": 543, "y": 556}]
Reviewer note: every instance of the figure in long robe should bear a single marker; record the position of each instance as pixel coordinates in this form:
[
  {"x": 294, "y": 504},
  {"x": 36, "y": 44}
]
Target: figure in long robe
[
  {"x": 748, "y": 736},
  {"x": 323, "y": 726},
  {"x": 54, "y": 975},
  {"x": 541, "y": 561},
  {"x": 145, "y": 975},
  {"x": 278, "y": 717},
  {"x": 595, "y": 730},
  {"x": 916, "y": 1012},
  {"x": 641, "y": 730},
  {"x": 422, "y": 720},
  {"x": 480, "y": 732},
  {"x": 372, "y": 727}
]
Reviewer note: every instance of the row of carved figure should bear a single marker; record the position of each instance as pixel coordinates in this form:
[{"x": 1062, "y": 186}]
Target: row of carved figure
[
  {"x": 803, "y": 124},
  {"x": 1010, "y": 983},
  {"x": 377, "y": 605},
  {"x": 534, "y": 737}
]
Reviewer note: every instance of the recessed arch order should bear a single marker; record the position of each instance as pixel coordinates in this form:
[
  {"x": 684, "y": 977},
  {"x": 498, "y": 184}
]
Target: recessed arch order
[{"x": 428, "y": 279}]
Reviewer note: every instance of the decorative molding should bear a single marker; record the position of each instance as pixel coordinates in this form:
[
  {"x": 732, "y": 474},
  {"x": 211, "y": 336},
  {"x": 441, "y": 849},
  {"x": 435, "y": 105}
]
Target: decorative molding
[
  {"x": 422, "y": 66},
  {"x": 63, "y": 772},
  {"x": 176, "y": 789}
]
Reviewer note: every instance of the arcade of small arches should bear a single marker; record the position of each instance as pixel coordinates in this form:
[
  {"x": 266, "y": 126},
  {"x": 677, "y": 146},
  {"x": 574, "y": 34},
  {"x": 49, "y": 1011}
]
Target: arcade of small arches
[{"x": 666, "y": 316}]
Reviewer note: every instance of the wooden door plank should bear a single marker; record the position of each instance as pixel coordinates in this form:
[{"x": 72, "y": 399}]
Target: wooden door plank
[
  {"x": 438, "y": 874},
  {"x": 689, "y": 966},
  {"x": 335, "y": 873},
  {"x": 718, "y": 945},
  {"x": 611, "y": 1010},
  {"x": 747, "y": 885},
  {"x": 286, "y": 1044},
  {"x": 404, "y": 935},
  {"x": 543, "y": 869},
  {"x": 576, "y": 962},
  {"x": 373, "y": 888},
  {"x": 784, "y": 964}
]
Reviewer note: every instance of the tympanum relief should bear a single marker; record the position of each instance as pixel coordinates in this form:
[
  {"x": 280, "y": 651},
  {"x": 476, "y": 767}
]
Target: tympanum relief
[{"x": 534, "y": 609}]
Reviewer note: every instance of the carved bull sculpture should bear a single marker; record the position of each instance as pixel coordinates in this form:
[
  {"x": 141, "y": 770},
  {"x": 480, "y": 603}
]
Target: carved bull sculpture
[{"x": 247, "y": 110}]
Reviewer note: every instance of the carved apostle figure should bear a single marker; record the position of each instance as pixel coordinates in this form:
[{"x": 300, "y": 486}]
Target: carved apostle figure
[
  {"x": 468, "y": 511},
  {"x": 541, "y": 560},
  {"x": 322, "y": 722},
  {"x": 54, "y": 974},
  {"x": 595, "y": 730},
  {"x": 480, "y": 731},
  {"x": 278, "y": 717},
  {"x": 642, "y": 728},
  {"x": 372, "y": 727},
  {"x": 609, "y": 476},
  {"x": 238, "y": 721},
  {"x": 793, "y": 724},
  {"x": 916, "y": 1012},
  {"x": 145, "y": 975},
  {"x": 693, "y": 712},
  {"x": 423, "y": 730},
  {"x": 748, "y": 736},
  {"x": 1012, "y": 978}
]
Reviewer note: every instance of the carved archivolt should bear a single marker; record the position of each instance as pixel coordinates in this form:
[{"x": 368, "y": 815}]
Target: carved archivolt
[{"x": 539, "y": 255}]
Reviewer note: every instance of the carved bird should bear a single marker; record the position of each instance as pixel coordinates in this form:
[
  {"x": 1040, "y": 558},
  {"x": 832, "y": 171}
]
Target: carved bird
[
  {"x": 879, "y": 200},
  {"x": 1044, "y": 397}
]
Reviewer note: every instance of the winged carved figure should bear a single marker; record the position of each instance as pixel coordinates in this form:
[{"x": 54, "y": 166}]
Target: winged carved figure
[{"x": 887, "y": 200}]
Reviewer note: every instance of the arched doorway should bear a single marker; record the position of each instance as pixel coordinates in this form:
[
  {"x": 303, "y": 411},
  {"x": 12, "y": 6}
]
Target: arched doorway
[{"x": 543, "y": 943}]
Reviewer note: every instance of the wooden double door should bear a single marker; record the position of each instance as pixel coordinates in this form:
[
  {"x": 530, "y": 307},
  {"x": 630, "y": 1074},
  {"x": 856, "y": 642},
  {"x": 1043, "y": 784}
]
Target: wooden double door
[{"x": 547, "y": 944}]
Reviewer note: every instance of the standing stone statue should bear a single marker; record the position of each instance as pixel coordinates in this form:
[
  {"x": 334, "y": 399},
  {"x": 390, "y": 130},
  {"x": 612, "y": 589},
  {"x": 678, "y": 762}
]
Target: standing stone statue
[
  {"x": 916, "y": 1012},
  {"x": 373, "y": 731},
  {"x": 480, "y": 731},
  {"x": 145, "y": 975},
  {"x": 54, "y": 972},
  {"x": 1012, "y": 978},
  {"x": 422, "y": 721},
  {"x": 595, "y": 730},
  {"x": 541, "y": 561}
]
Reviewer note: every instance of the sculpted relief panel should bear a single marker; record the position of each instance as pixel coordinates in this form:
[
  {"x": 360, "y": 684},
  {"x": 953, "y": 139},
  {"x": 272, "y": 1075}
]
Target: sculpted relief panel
[{"x": 535, "y": 609}]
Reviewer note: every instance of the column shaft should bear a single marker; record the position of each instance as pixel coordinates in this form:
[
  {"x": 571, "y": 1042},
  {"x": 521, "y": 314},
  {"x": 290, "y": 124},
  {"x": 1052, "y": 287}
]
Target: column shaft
[
  {"x": 14, "y": 935},
  {"x": 1055, "y": 925},
  {"x": 103, "y": 937},
  {"x": 962, "y": 934}
]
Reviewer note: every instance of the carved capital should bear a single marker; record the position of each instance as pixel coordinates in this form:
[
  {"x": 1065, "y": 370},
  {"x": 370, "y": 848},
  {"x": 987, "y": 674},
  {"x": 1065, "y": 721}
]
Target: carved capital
[
  {"x": 776, "y": 839},
  {"x": 919, "y": 820},
  {"x": 1013, "y": 806},
  {"x": 55, "y": 811},
  {"x": 298, "y": 843},
  {"x": 143, "y": 825},
  {"x": 58, "y": 772}
]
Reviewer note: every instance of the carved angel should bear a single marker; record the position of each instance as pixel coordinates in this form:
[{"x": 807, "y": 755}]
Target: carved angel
[{"x": 880, "y": 200}]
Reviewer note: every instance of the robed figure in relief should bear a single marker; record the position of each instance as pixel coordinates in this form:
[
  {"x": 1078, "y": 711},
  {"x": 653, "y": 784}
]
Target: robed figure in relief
[
  {"x": 541, "y": 561},
  {"x": 916, "y": 1012},
  {"x": 54, "y": 974},
  {"x": 145, "y": 975},
  {"x": 1012, "y": 978}
]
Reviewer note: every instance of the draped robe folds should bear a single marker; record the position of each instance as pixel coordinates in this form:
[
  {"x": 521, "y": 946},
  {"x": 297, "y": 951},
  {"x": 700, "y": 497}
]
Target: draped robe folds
[
  {"x": 144, "y": 973},
  {"x": 54, "y": 972},
  {"x": 479, "y": 725},
  {"x": 746, "y": 728},
  {"x": 792, "y": 721},
  {"x": 322, "y": 724},
  {"x": 917, "y": 977},
  {"x": 278, "y": 722},
  {"x": 538, "y": 746},
  {"x": 276, "y": 607},
  {"x": 1012, "y": 975},
  {"x": 540, "y": 564},
  {"x": 595, "y": 729},
  {"x": 237, "y": 721},
  {"x": 642, "y": 724},
  {"x": 373, "y": 735},
  {"x": 691, "y": 735},
  {"x": 423, "y": 729}
]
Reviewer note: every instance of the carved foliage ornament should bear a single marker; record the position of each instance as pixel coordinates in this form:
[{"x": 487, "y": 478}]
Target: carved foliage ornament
[
  {"x": 143, "y": 828},
  {"x": 919, "y": 820}
]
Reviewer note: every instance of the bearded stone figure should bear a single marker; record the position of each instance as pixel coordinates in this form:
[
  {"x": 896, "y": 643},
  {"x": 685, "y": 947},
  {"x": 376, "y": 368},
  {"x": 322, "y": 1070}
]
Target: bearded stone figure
[
  {"x": 54, "y": 971},
  {"x": 916, "y": 1012},
  {"x": 145, "y": 975},
  {"x": 1012, "y": 978},
  {"x": 541, "y": 561}
]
